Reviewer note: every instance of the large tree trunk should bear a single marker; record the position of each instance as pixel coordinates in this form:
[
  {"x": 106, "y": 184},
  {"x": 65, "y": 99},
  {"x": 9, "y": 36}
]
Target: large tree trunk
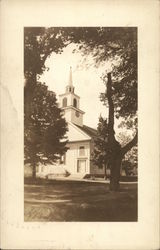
[
  {"x": 117, "y": 153},
  {"x": 115, "y": 148},
  {"x": 115, "y": 173},
  {"x": 116, "y": 161}
]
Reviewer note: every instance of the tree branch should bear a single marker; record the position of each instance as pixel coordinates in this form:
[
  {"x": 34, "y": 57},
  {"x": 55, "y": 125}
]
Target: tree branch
[{"x": 131, "y": 144}]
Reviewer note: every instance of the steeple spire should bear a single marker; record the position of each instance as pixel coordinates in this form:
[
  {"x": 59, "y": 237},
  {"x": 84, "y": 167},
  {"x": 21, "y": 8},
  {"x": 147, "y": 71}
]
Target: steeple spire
[
  {"x": 69, "y": 87},
  {"x": 70, "y": 83}
]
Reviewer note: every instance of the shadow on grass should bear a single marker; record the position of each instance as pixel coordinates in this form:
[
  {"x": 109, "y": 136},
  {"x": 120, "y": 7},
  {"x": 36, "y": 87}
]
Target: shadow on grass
[{"x": 57, "y": 200}]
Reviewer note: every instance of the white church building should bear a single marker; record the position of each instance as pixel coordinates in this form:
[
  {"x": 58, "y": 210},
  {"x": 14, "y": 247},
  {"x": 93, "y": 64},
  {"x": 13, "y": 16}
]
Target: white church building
[{"x": 77, "y": 159}]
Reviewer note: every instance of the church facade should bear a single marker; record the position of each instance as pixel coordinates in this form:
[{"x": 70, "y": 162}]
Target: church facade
[{"x": 77, "y": 159}]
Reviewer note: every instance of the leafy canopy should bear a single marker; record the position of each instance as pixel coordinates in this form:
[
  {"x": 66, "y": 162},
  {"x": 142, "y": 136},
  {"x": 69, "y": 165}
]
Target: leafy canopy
[
  {"x": 119, "y": 46},
  {"x": 44, "y": 127},
  {"x": 103, "y": 149},
  {"x": 39, "y": 43}
]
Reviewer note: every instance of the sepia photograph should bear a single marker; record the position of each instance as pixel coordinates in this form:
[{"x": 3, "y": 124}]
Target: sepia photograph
[{"x": 80, "y": 124}]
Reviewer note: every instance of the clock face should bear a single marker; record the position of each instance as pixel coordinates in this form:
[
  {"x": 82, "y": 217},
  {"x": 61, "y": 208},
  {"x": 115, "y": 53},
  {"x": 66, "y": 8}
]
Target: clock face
[{"x": 77, "y": 113}]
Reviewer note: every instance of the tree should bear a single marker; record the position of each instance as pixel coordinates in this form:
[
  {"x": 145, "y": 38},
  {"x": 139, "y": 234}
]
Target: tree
[
  {"x": 44, "y": 129},
  {"x": 119, "y": 46},
  {"x": 116, "y": 151}
]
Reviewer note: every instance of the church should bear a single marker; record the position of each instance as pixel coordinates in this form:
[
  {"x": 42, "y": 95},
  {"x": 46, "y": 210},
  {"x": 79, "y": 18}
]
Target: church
[{"x": 77, "y": 159}]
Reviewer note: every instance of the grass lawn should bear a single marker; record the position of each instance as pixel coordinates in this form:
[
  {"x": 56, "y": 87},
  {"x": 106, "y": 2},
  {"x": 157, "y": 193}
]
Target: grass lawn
[{"x": 58, "y": 200}]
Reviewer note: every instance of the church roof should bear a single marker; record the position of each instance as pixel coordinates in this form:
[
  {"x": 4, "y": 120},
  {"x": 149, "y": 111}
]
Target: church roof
[{"x": 88, "y": 130}]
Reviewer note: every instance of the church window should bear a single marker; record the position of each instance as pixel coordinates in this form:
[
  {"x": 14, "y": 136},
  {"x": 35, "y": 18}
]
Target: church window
[
  {"x": 75, "y": 102},
  {"x": 65, "y": 102},
  {"x": 81, "y": 151}
]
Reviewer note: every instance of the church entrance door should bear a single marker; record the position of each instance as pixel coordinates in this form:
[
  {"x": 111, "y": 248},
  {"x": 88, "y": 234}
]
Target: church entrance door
[{"x": 81, "y": 166}]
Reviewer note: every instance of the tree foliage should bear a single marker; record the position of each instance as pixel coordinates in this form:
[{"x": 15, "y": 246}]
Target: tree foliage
[
  {"x": 105, "y": 148},
  {"x": 114, "y": 152},
  {"x": 100, "y": 152},
  {"x": 39, "y": 43},
  {"x": 44, "y": 128},
  {"x": 119, "y": 46}
]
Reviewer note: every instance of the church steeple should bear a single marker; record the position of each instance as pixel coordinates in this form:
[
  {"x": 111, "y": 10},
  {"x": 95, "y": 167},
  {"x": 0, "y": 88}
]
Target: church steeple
[
  {"x": 69, "y": 87},
  {"x": 70, "y": 103}
]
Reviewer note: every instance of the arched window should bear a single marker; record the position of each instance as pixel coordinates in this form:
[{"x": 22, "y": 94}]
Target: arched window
[
  {"x": 75, "y": 102},
  {"x": 65, "y": 102}
]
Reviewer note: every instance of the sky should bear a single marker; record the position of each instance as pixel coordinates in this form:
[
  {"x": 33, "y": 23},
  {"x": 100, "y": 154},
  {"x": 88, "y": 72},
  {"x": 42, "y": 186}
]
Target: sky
[{"x": 86, "y": 81}]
